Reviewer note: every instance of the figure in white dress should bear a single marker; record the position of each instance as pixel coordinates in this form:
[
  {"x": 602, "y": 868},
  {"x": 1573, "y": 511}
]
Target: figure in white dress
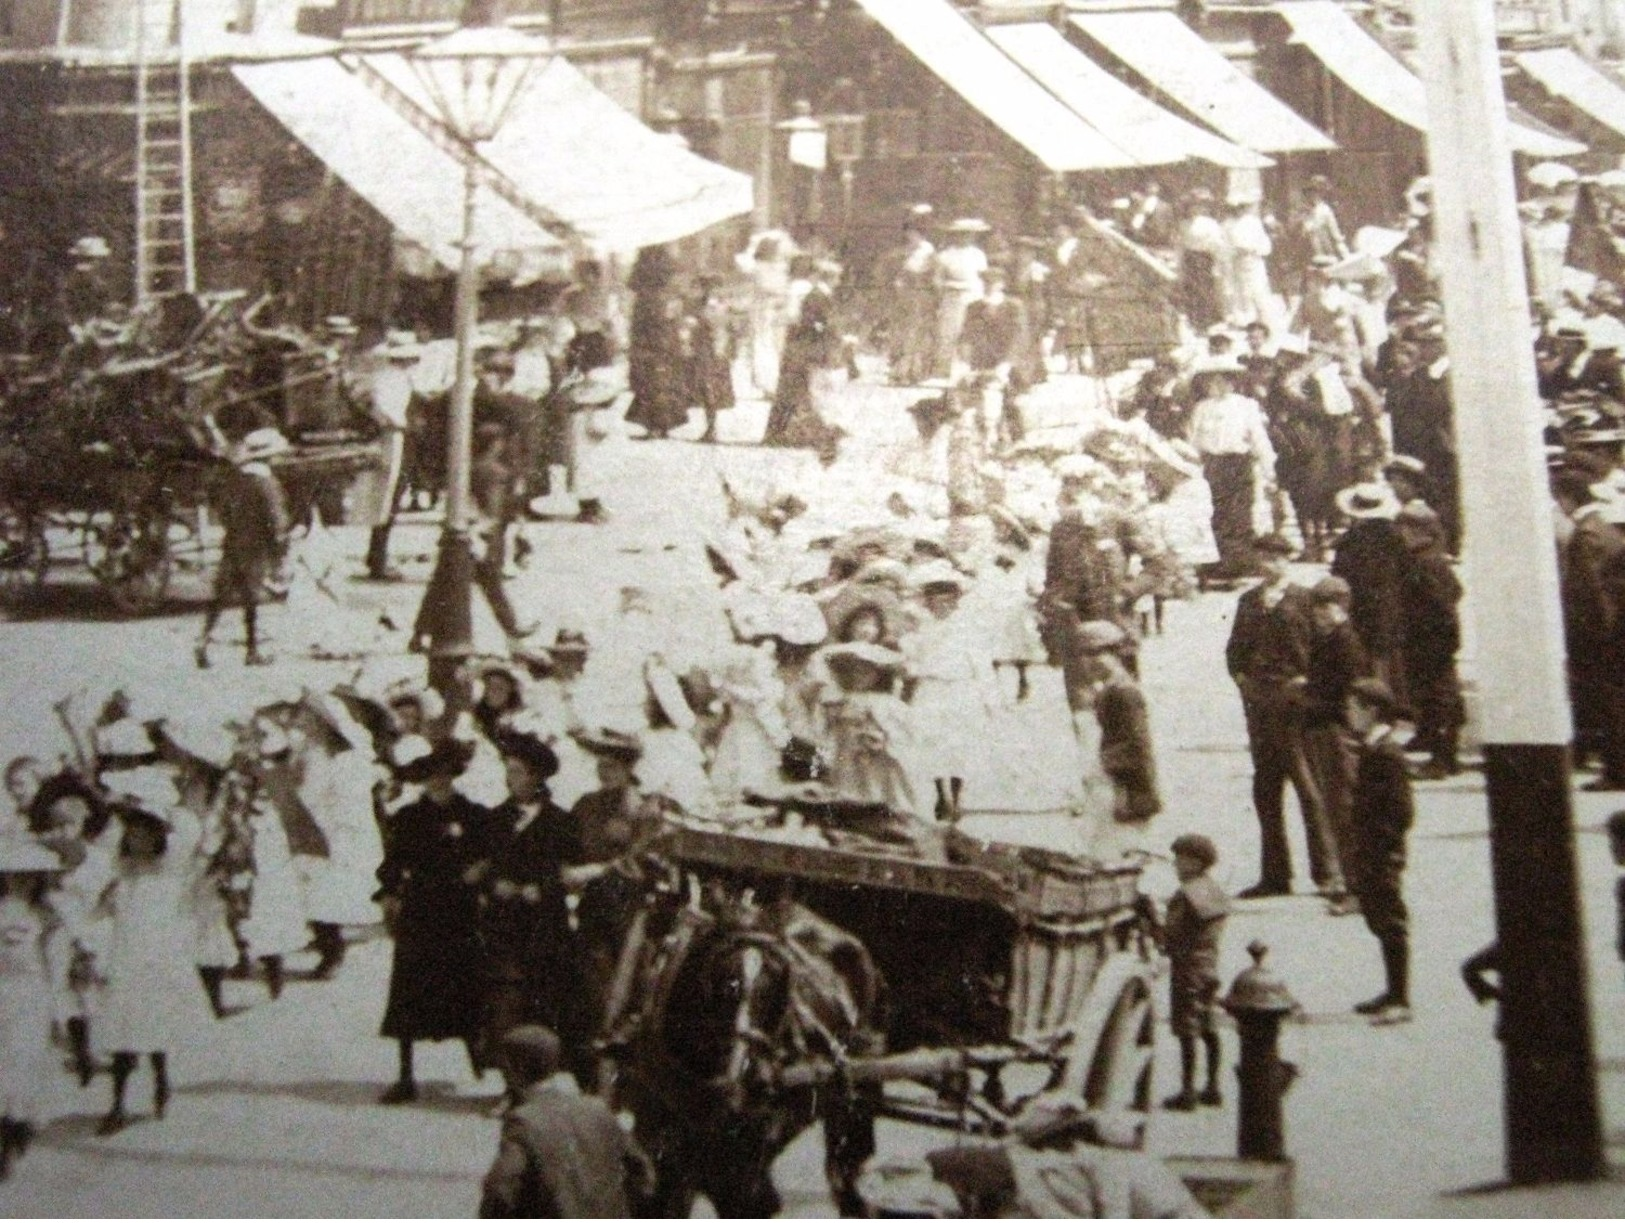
[
  {"x": 153, "y": 1005},
  {"x": 754, "y": 732},
  {"x": 951, "y": 689},
  {"x": 336, "y": 780},
  {"x": 27, "y": 1060}
]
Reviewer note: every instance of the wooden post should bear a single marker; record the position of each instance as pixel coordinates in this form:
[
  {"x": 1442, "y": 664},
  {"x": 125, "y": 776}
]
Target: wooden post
[{"x": 1553, "y": 1126}]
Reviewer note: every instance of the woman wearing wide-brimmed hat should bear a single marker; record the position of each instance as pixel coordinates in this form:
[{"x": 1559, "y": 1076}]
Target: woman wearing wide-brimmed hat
[
  {"x": 435, "y": 983},
  {"x": 336, "y": 780},
  {"x": 870, "y": 728}
]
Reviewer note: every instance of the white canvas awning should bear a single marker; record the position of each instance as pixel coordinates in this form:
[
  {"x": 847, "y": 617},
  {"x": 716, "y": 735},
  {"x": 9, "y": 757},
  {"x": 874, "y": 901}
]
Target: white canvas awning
[
  {"x": 1582, "y": 86},
  {"x": 586, "y": 161},
  {"x": 416, "y": 185},
  {"x": 1157, "y": 136},
  {"x": 1183, "y": 65},
  {"x": 966, "y": 60},
  {"x": 1365, "y": 66}
]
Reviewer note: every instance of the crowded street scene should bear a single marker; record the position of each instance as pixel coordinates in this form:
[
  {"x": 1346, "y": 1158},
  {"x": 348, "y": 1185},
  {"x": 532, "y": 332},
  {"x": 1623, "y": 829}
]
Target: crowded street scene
[{"x": 879, "y": 608}]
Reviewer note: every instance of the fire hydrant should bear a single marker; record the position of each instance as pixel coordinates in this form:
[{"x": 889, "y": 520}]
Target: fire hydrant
[{"x": 1259, "y": 1001}]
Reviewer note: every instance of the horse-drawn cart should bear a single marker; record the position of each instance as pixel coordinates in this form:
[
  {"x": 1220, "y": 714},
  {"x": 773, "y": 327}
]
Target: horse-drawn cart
[
  {"x": 1008, "y": 972},
  {"x": 785, "y": 975},
  {"x": 115, "y": 467}
]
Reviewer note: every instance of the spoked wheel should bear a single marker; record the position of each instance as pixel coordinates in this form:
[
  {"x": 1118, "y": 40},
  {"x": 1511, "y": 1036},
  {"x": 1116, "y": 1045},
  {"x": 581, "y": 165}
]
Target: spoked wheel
[
  {"x": 1119, "y": 1078},
  {"x": 129, "y": 555},
  {"x": 24, "y": 553}
]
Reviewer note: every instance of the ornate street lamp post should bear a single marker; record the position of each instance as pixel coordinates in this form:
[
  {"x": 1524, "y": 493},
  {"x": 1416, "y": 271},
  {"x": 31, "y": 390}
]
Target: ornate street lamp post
[{"x": 472, "y": 77}]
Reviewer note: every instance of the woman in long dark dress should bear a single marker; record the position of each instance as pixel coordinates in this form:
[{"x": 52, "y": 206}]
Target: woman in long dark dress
[
  {"x": 812, "y": 345},
  {"x": 435, "y": 983},
  {"x": 656, "y": 370}
]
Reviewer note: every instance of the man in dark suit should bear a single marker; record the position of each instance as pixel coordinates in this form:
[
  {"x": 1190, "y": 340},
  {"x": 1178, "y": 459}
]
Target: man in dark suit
[
  {"x": 1268, "y": 657},
  {"x": 563, "y": 1155},
  {"x": 1589, "y": 611}
]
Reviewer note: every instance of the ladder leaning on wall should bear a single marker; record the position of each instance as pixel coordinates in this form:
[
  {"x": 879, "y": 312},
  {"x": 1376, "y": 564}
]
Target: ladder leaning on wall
[{"x": 165, "y": 255}]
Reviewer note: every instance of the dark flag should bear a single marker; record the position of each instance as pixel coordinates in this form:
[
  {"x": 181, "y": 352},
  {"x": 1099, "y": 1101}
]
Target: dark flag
[{"x": 1592, "y": 245}]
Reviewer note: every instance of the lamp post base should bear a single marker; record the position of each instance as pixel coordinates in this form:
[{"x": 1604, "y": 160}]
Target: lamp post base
[{"x": 445, "y": 623}]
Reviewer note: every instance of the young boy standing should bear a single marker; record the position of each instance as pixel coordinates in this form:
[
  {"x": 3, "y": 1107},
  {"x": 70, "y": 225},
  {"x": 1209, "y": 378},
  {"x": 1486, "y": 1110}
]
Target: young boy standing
[
  {"x": 1383, "y": 812},
  {"x": 1191, "y": 933}
]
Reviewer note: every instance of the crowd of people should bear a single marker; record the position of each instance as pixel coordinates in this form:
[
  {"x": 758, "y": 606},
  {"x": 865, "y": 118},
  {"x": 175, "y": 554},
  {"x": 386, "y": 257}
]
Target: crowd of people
[{"x": 1001, "y": 598}]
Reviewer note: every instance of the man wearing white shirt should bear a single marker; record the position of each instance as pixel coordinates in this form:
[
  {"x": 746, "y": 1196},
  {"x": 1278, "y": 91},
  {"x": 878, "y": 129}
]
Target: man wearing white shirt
[
  {"x": 390, "y": 403},
  {"x": 1228, "y": 431},
  {"x": 958, "y": 282}
]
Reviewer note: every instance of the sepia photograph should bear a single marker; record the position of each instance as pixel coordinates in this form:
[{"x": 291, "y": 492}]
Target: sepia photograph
[{"x": 812, "y": 608}]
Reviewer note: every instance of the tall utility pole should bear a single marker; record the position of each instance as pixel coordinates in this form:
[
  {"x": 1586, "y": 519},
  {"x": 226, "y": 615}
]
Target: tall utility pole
[{"x": 1553, "y": 1124}]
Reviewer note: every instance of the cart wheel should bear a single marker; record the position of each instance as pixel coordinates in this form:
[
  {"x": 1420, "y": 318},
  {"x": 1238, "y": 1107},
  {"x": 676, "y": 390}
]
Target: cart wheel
[
  {"x": 1119, "y": 1078},
  {"x": 24, "y": 553},
  {"x": 129, "y": 555}
]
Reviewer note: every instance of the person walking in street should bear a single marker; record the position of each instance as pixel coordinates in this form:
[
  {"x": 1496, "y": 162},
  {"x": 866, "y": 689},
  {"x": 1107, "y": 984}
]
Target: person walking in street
[
  {"x": 1229, "y": 432},
  {"x": 1268, "y": 657},
  {"x": 911, "y": 330},
  {"x": 1432, "y": 596},
  {"x": 563, "y": 1155},
  {"x": 532, "y": 973},
  {"x": 1371, "y": 557},
  {"x": 430, "y": 910},
  {"x": 28, "y": 1061},
  {"x": 655, "y": 348},
  {"x": 1192, "y": 929},
  {"x": 1127, "y": 755},
  {"x": 253, "y": 512},
  {"x": 1203, "y": 252},
  {"x": 957, "y": 279},
  {"x": 153, "y": 1005},
  {"x": 390, "y": 404},
  {"x": 1589, "y": 609},
  {"x": 993, "y": 344},
  {"x": 1336, "y": 660},
  {"x": 1383, "y": 814}
]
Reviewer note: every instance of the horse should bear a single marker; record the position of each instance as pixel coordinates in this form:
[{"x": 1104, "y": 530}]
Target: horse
[{"x": 732, "y": 993}]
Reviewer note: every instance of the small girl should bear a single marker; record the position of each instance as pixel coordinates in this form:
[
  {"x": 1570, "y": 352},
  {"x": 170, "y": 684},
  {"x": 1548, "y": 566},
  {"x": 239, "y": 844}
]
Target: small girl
[
  {"x": 26, "y": 1058},
  {"x": 152, "y": 1001}
]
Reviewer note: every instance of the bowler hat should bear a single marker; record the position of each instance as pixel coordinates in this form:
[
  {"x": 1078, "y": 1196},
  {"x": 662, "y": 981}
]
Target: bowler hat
[{"x": 530, "y": 750}]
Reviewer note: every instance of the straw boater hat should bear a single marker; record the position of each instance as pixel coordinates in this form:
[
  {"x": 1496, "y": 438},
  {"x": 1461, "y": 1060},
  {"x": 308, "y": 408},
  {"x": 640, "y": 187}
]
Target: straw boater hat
[
  {"x": 260, "y": 445},
  {"x": 1368, "y": 500},
  {"x": 612, "y": 744},
  {"x": 448, "y": 758},
  {"x": 402, "y": 346},
  {"x": 92, "y": 246}
]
